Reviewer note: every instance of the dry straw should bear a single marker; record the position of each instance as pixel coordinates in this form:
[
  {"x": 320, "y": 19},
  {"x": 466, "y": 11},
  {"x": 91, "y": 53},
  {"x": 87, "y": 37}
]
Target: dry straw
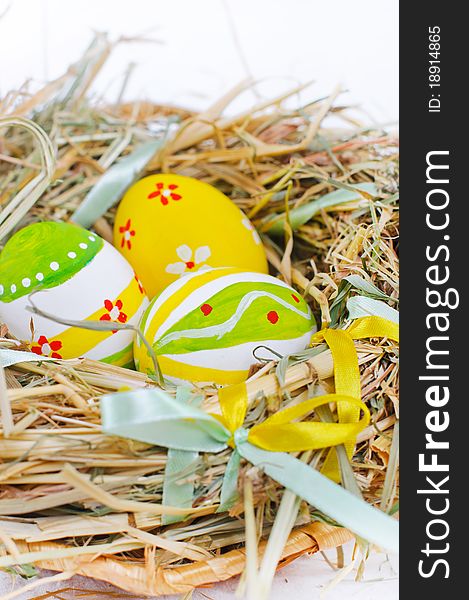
[{"x": 322, "y": 190}]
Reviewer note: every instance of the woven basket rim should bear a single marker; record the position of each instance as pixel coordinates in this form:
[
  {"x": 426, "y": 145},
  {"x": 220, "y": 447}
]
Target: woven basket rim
[{"x": 141, "y": 579}]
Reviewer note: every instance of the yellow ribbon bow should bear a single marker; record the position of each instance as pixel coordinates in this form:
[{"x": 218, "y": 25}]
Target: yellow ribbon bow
[
  {"x": 279, "y": 432},
  {"x": 153, "y": 416},
  {"x": 282, "y": 432}
]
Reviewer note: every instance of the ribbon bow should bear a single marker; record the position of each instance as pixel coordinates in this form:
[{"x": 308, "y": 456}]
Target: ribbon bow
[
  {"x": 152, "y": 416},
  {"x": 280, "y": 432}
]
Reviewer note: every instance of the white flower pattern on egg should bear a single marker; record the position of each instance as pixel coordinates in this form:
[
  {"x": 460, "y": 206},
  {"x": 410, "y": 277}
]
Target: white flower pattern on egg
[
  {"x": 247, "y": 223},
  {"x": 190, "y": 261}
]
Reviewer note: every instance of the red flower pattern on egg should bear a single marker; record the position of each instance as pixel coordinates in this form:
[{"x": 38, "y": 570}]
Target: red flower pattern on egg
[
  {"x": 46, "y": 348},
  {"x": 127, "y": 234},
  {"x": 165, "y": 193},
  {"x": 140, "y": 284},
  {"x": 114, "y": 313}
]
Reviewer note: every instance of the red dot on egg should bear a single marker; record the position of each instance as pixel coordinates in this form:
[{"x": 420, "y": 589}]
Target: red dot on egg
[
  {"x": 206, "y": 309},
  {"x": 272, "y": 316},
  {"x": 295, "y": 297}
]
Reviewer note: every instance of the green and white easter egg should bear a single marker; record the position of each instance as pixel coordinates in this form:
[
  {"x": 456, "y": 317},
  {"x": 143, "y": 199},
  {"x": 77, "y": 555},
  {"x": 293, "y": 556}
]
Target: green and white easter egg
[
  {"x": 206, "y": 326},
  {"x": 75, "y": 275}
]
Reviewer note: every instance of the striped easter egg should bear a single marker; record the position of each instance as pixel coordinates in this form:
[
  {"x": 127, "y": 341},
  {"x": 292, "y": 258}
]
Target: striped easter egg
[
  {"x": 206, "y": 326},
  {"x": 75, "y": 275}
]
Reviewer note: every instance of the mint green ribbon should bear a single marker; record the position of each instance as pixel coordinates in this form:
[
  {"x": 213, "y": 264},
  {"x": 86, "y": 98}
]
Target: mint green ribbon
[
  {"x": 113, "y": 184},
  {"x": 229, "y": 489},
  {"x": 13, "y": 357},
  {"x": 178, "y": 486},
  {"x": 154, "y": 417}
]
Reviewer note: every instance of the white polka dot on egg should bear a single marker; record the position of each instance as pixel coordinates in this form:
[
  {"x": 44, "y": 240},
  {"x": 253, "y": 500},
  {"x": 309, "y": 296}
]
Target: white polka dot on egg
[
  {"x": 54, "y": 265},
  {"x": 83, "y": 246},
  {"x": 26, "y": 282},
  {"x": 72, "y": 255},
  {"x": 39, "y": 276}
]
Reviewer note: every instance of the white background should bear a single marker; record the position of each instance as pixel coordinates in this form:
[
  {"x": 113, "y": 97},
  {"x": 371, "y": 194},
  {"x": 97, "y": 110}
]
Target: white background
[{"x": 205, "y": 47}]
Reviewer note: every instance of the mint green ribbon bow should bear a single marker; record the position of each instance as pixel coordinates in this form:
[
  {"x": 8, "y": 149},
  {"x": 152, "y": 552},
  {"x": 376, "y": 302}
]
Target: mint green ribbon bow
[{"x": 154, "y": 417}]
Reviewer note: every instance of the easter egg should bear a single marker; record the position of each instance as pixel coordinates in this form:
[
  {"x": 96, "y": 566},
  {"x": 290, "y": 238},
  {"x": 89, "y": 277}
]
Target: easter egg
[
  {"x": 207, "y": 326},
  {"x": 77, "y": 276},
  {"x": 169, "y": 225}
]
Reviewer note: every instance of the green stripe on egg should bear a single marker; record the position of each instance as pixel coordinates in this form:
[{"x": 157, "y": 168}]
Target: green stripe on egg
[
  {"x": 64, "y": 249},
  {"x": 242, "y": 312},
  {"x": 122, "y": 358}
]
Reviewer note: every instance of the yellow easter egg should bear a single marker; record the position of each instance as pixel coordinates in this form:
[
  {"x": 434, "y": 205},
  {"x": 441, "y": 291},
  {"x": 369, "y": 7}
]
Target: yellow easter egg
[
  {"x": 75, "y": 275},
  {"x": 169, "y": 225},
  {"x": 211, "y": 325}
]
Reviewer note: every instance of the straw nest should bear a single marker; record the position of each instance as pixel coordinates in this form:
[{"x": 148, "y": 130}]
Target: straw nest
[{"x": 73, "y": 499}]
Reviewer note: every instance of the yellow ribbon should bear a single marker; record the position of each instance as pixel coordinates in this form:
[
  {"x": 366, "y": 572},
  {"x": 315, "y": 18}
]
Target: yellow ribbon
[
  {"x": 347, "y": 374},
  {"x": 279, "y": 432},
  {"x": 282, "y": 432}
]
